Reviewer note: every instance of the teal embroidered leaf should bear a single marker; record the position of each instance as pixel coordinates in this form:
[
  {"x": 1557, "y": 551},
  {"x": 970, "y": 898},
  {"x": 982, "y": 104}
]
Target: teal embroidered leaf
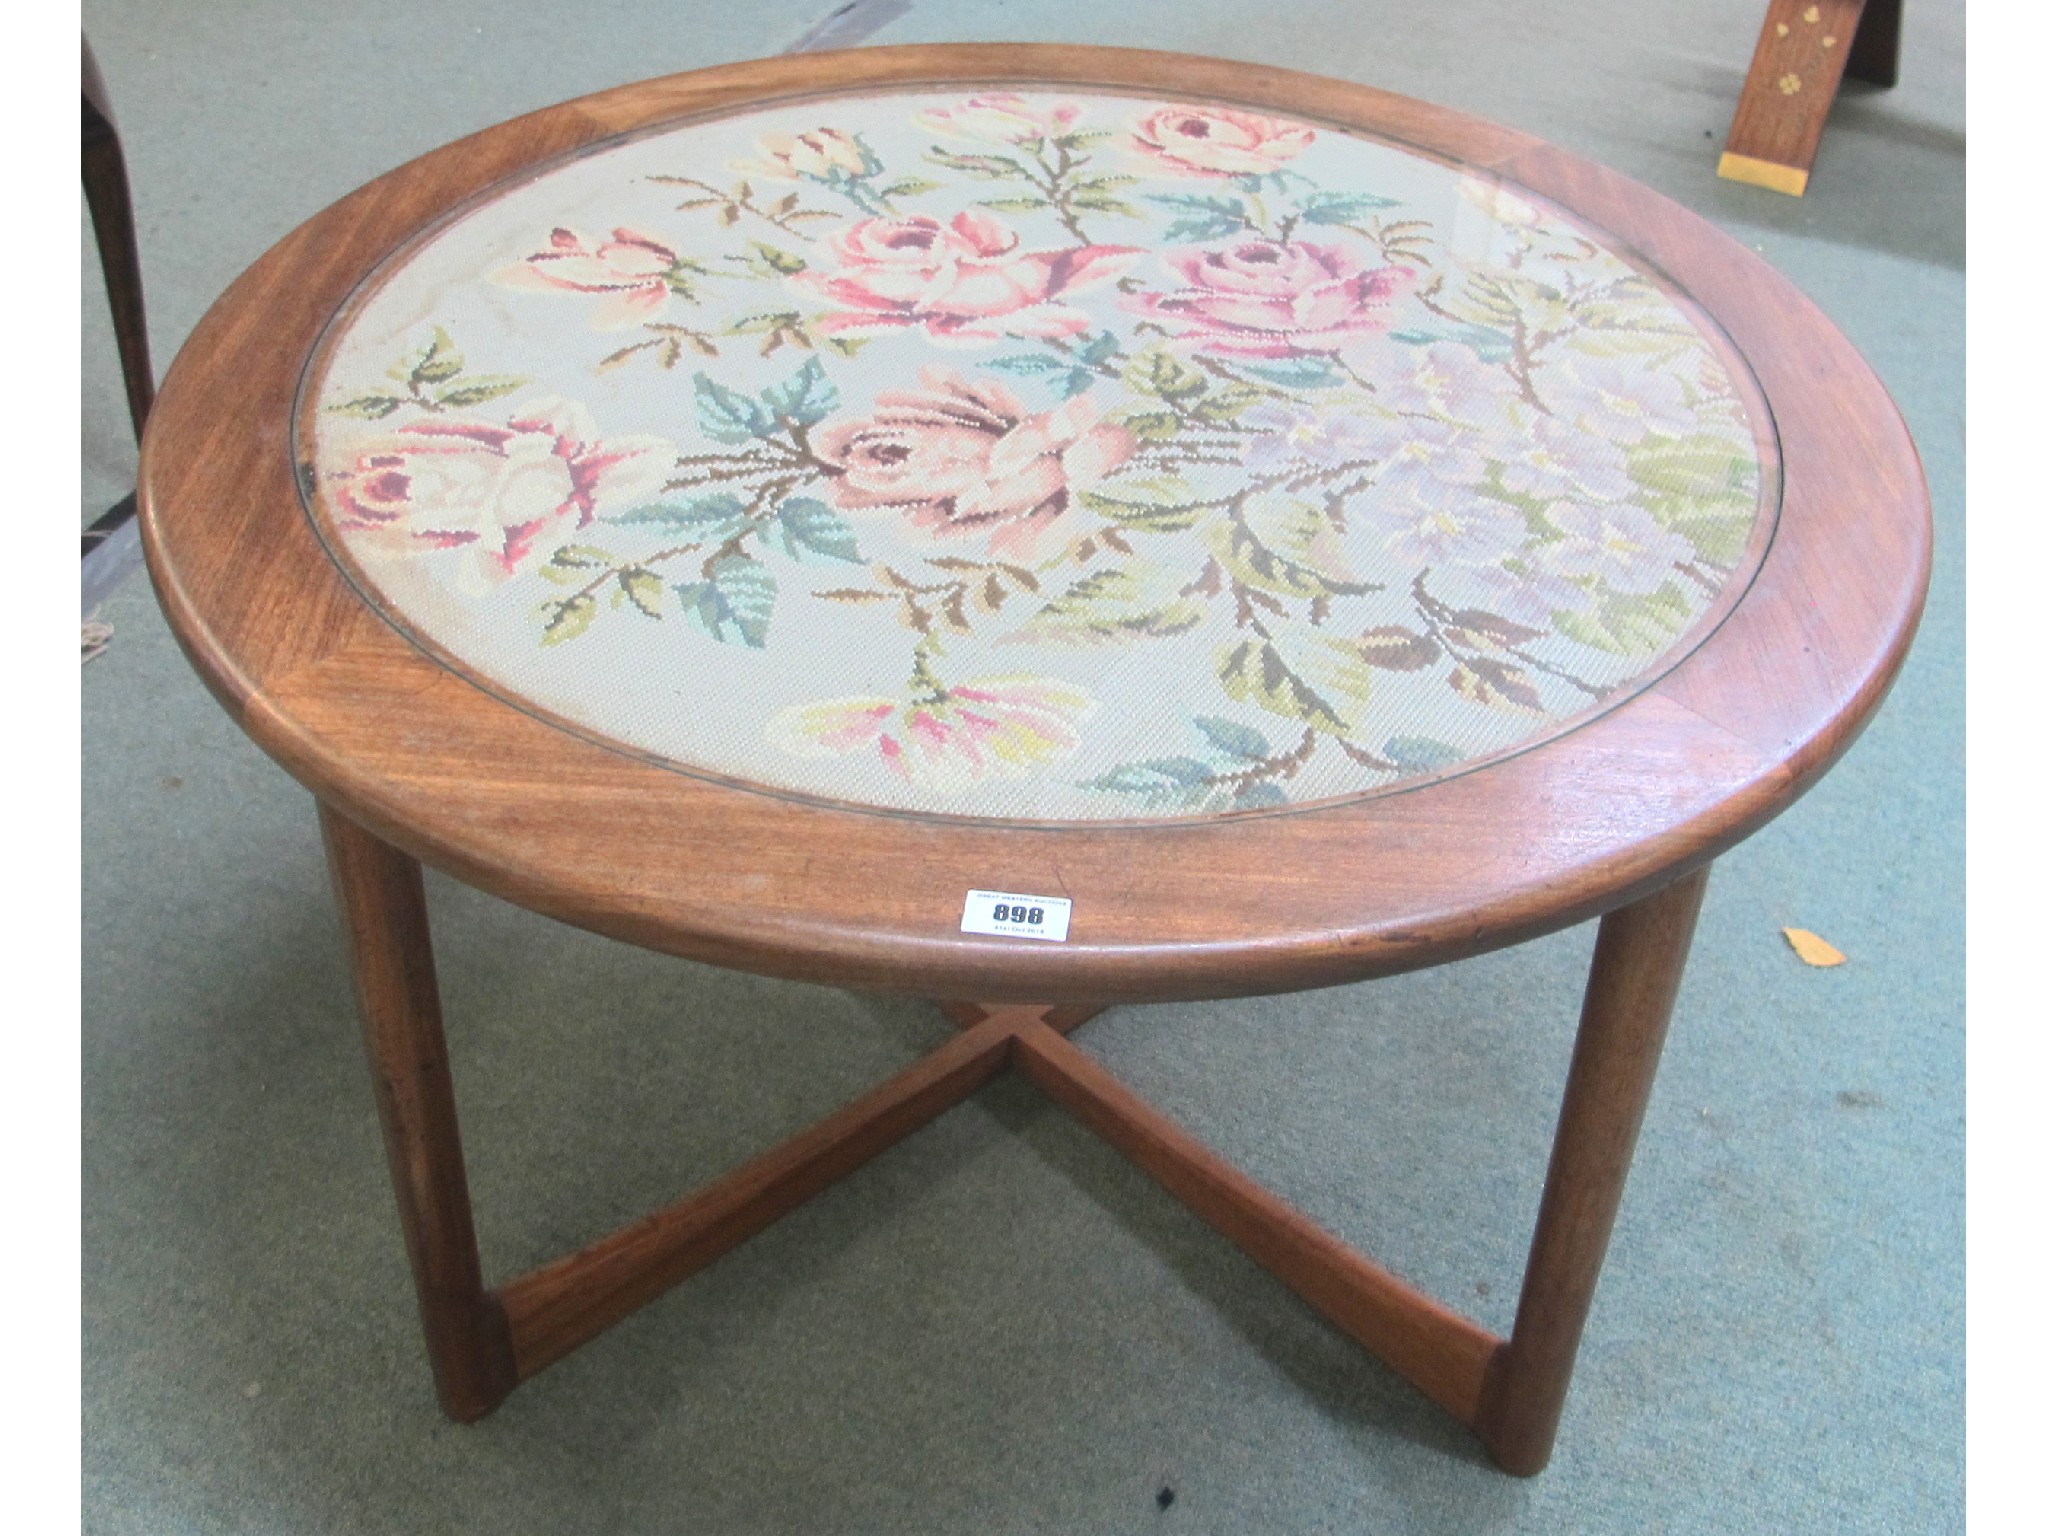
[
  {"x": 803, "y": 399},
  {"x": 1257, "y": 796},
  {"x": 1420, "y": 754},
  {"x": 1201, "y": 217},
  {"x": 1163, "y": 780},
  {"x": 1491, "y": 345},
  {"x": 709, "y": 517},
  {"x": 1028, "y": 362},
  {"x": 727, "y": 416},
  {"x": 735, "y": 603},
  {"x": 1234, "y": 740},
  {"x": 1342, "y": 207},
  {"x": 1307, "y": 372},
  {"x": 810, "y": 527}
]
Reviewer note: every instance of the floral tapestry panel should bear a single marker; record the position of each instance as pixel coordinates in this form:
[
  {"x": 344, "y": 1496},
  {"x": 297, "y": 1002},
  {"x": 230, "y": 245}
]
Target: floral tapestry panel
[{"x": 1037, "y": 456}]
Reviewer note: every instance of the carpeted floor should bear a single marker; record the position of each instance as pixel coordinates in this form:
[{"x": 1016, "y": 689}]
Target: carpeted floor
[{"x": 999, "y": 1326}]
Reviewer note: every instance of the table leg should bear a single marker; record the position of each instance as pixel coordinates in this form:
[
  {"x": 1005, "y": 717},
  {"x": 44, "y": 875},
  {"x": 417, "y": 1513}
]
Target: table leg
[
  {"x": 384, "y": 912},
  {"x": 1637, "y": 963}
]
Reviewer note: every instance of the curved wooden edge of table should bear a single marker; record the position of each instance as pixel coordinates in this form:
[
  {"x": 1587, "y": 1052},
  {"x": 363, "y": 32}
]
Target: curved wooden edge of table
[{"x": 1582, "y": 824}]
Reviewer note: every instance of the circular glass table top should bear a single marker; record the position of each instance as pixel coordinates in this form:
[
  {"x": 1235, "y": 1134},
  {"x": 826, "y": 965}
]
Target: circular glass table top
[{"x": 1031, "y": 456}]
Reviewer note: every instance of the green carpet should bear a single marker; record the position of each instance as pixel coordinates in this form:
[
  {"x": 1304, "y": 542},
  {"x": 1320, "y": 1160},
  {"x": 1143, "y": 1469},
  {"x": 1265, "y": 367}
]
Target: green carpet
[{"x": 999, "y": 1326}]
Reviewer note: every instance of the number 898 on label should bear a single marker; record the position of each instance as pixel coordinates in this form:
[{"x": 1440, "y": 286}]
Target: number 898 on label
[{"x": 1009, "y": 912}]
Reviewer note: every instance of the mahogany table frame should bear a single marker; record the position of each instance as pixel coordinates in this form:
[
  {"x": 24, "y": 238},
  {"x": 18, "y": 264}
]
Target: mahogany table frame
[{"x": 1617, "y": 818}]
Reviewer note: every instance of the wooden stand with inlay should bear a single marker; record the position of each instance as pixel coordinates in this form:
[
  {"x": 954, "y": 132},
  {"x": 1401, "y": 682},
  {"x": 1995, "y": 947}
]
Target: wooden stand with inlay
[{"x": 1806, "y": 47}]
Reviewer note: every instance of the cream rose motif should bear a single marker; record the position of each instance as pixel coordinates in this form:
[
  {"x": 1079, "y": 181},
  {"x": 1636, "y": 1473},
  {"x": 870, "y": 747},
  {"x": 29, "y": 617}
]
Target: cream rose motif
[
  {"x": 966, "y": 281},
  {"x": 1216, "y": 142},
  {"x": 959, "y": 458},
  {"x": 1260, "y": 298},
  {"x": 815, "y": 156},
  {"x": 944, "y": 738},
  {"x": 999, "y": 118},
  {"x": 496, "y": 492},
  {"x": 631, "y": 270}
]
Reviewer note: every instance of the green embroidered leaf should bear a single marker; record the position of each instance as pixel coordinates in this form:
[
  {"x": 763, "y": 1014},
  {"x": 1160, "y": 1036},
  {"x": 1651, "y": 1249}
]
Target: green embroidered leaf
[
  {"x": 1015, "y": 204},
  {"x": 1420, "y": 754},
  {"x": 433, "y": 363},
  {"x": 710, "y": 517},
  {"x": 642, "y": 588},
  {"x": 1234, "y": 740},
  {"x": 1342, "y": 207},
  {"x": 1152, "y": 426},
  {"x": 1082, "y": 138},
  {"x": 1694, "y": 468},
  {"x": 803, "y": 399},
  {"x": 1148, "y": 504},
  {"x": 983, "y": 167},
  {"x": 568, "y": 618},
  {"x": 1201, "y": 217},
  {"x": 478, "y": 388},
  {"x": 910, "y": 186},
  {"x": 735, "y": 603},
  {"x": 1718, "y": 539},
  {"x": 1227, "y": 403},
  {"x": 580, "y": 557},
  {"x": 1114, "y": 605},
  {"x": 1159, "y": 373},
  {"x": 371, "y": 407},
  {"x": 779, "y": 262},
  {"x": 1285, "y": 546},
  {"x": 1631, "y": 624},
  {"x": 1254, "y": 672},
  {"x": 727, "y": 416},
  {"x": 810, "y": 527}
]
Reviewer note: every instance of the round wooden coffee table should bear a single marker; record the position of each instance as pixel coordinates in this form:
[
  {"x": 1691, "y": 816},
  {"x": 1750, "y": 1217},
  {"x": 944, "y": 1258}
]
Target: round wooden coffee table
[{"x": 1036, "y": 528}]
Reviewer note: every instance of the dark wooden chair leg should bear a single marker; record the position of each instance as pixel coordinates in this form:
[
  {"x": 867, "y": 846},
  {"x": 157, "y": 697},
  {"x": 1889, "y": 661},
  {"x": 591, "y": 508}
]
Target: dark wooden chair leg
[
  {"x": 384, "y": 910},
  {"x": 1874, "y": 56},
  {"x": 1637, "y": 964},
  {"x": 105, "y": 173}
]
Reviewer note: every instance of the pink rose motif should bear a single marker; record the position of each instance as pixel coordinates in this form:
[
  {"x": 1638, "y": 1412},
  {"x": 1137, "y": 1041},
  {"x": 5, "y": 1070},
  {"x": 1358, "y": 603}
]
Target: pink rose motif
[
  {"x": 1000, "y": 118},
  {"x": 495, "y": 491},
  {"x": 1216, "y": 142},
  {"x": 944, "y": 738},
  {"x": 961, "y": 458},
  {"x": 1262, "y": 299},
  {"x": 962, "y": 282},
  {"x": 631, "y": 270}
]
